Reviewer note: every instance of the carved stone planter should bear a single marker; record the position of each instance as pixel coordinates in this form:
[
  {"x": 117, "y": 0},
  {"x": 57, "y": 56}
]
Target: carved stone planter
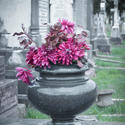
[{"x": 62, "y": 92}]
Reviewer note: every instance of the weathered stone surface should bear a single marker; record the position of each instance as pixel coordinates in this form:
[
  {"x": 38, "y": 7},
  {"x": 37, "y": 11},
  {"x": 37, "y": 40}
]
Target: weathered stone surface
[
  {"x": 43, "y": 6},
  {"x": 115, "y": 32},
  {"x": 90, "y": 73},
  {"x": 14, "y": 57},
  {"x": 2, "y": 68},
  {"x": 21, "y": 110},
  {"x": 23, "y": 99},
  {"x": 10, "y": 113},
  {"x": 44, "y": 122},
  {"x": 3, "y": 33},
  {"x": 86, "y": 118},
  {"x": 104, "y": 98},
  {"x": 102, "y": 44},
  {"x": 115, "y": 40},
  {"x": 8, "y": 94},
  {"x": 61, "y": 9},
  {"x": 80, "y": 7}
]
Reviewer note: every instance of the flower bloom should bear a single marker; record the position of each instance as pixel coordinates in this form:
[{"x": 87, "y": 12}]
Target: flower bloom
[
  {"x": 24, "y": 74},
  {"x": 29, "y": 55},
  {"x": 69, "y": 51},
  {"x": 44, "y": 56},
  {"x": 67, "y": 27}
]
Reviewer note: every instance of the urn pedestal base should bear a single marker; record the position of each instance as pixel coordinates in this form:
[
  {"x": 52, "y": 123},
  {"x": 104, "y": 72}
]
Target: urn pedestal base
[{"x": 64, "y": 123}]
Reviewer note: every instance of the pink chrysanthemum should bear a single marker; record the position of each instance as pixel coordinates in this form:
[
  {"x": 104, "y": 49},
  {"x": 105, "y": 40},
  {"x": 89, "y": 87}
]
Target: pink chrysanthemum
[
  {"x": 29, "y": 55},
  {"x": 67, "y": 27},
  {"x": 24, "y": 74},
  {"x": 69, "y": 51},
  {"x": 44, "y": 56}
]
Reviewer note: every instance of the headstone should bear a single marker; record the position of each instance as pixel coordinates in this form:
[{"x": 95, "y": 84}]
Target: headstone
[
  {"x": 94, "y": 26},
  {"x": 60, "y": 9},
  {"x": 21, "y": 110},
  {"x": 101, "y": 42},
  {"x": 104, "y": 98},
  {"x": 123, "y": 26},
  {"x": 39, "y": 17},
  {"x": 2, "y": 68},
  {"x": 34, "y": 28},
  {"x": 90, "y": 9},
  {"x": 3, "y": 35},
  {"x": 123, "y": 30},
  {"x": 43, "y": 18},
  {"x": 115, "y": 33},
  {"x": 8, "y": 92},
  {"x": 14, "y": 57},
  {"x": 80, "y": 12}
]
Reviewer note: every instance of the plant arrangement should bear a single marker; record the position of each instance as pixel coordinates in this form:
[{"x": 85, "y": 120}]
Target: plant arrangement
[{"x": 63, "y": 46}]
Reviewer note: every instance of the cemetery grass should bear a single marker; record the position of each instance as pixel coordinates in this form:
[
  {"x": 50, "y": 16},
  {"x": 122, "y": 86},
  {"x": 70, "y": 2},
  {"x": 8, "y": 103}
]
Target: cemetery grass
[
  {"x": 35, "y": 114},
  {"x": 111, "y": 119}
]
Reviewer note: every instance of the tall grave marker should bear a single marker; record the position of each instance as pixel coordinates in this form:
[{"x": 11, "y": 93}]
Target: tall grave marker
[
  {"x": 101, "y": 42},
  {"x": 123, "y": 25},
  {"x": 115, "y": 33}
]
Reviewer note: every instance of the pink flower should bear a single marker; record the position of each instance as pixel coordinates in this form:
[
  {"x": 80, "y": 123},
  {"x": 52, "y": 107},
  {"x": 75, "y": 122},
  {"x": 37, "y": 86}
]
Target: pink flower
[
  {"x": 24, "y": 74},
  {"x": 67, "y": 27},
  {"x": 44, "y": 56},
  {"x": 29, "y": 55},
  {"x": 69, "y": 51}
]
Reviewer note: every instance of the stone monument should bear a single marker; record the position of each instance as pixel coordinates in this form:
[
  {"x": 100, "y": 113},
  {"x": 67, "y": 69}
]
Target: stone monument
[
  {"x": 8, "y": 94},
  {"x": 123, "y": 25},
  {"x": 3, "y": 35},
  {"x": 94, "y": 27},
  {"x": 39, "y": 20},
  {"x": 101, "y": 42},
  {"x": 61, "y": 9},
  {"x": 115, "y": 33}
]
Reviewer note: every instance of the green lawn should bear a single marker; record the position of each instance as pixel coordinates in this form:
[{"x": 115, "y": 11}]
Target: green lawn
[
  {"x": 111, "y": 79},
  {"x": 117, "y": 108},
  {"x": 35, "y": 114},
  {"x": 111, "y": 119},
  {"x": 109, "y": 64}
]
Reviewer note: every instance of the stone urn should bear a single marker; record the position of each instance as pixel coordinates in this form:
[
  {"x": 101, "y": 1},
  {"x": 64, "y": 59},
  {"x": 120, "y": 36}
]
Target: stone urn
[{"x": 62, "y": 92}]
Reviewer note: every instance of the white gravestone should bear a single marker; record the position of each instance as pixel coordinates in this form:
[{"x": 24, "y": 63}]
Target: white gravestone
[
  {"x": 61, "y": 9},
  {"x": 101, "y": 42},
  {"x": 115, "y": 33}
]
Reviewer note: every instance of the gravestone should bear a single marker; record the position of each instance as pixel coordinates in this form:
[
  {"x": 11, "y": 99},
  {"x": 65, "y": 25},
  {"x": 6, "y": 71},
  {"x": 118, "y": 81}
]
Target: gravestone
[
  {"x": 123, "y": 25},
  {"x": 101, "y": 42},
  {"x": 123, "y": 30},
  {"x": 104, "y": 98},
  {"x": 60, "y": 9},
  {"x": 43, "y": 18},
  {"x": 115, "y": 33},
  {"x": 3, "y": 35},
  {"x": 2, "y": 68},
  {"x": 13, "y": 57},
  {"x": 80, "y": 12},
  {"x": 8, "y": 93},
  {"x": 94, "y": 27},
  {"x": 39, "y": 17}
]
